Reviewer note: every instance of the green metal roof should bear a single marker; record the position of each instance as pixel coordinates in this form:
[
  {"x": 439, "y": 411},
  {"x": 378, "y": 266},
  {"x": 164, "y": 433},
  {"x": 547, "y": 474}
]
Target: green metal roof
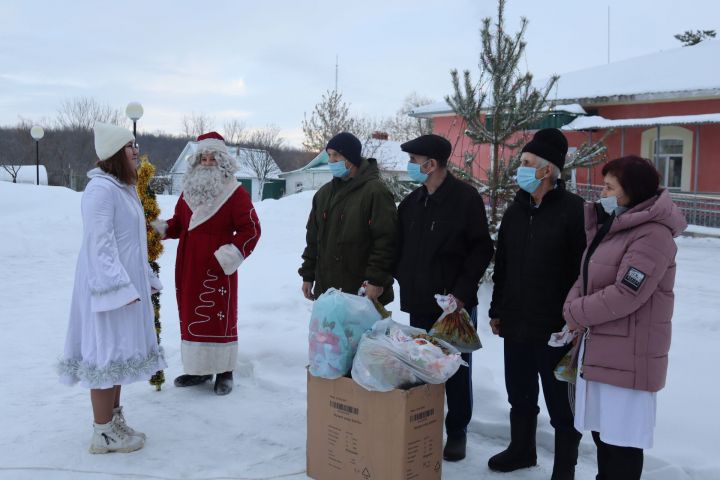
[{"x": 320, "y": 159}]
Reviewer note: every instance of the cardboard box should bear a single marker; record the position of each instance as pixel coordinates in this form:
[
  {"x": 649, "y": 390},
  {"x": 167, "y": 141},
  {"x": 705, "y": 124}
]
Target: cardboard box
[{"x": 356, "y": 434}]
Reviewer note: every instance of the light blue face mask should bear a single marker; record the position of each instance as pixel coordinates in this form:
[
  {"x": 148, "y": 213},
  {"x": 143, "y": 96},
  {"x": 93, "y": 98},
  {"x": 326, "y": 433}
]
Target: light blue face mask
[
  {"x": 415, "y": 174},
  {"x": 526, "y": 179},
  {"x": 338, "y": 169},
  {"x": 610, "y": 205}
]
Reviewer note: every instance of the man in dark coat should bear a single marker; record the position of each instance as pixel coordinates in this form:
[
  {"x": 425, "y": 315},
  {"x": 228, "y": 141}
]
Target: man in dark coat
[
  {"x": 539, "y": 246},
  {"x": 352, "y": 227},
  {"x": 445, "y": 248}
]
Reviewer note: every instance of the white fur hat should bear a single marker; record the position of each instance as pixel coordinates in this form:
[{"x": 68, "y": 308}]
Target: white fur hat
[{"x": 109, "y": 139}]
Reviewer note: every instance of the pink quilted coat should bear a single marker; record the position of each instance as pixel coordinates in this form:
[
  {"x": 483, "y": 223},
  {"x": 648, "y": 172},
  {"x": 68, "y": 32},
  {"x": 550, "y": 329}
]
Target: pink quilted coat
[{"x": 628, "y": 305}]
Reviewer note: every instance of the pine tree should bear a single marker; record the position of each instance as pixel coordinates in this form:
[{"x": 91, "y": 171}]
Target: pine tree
[
  {"x": 588, "y": 154},
  {"x": 506, "y": 97},
  {"x": 155, "y": 248},
  {"x": 397, "y": 188},
  {"x": 690, "y": 38}
]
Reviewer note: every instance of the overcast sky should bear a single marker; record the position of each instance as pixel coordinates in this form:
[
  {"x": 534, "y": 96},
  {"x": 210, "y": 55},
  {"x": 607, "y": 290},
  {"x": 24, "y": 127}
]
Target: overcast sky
[{"x": 268, "y": 62}]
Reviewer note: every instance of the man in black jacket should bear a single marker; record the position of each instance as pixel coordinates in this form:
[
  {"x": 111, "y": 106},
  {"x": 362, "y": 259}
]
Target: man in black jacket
[
  {"x": 539, "y": 246},
  {"x": 445, "y": 248}
]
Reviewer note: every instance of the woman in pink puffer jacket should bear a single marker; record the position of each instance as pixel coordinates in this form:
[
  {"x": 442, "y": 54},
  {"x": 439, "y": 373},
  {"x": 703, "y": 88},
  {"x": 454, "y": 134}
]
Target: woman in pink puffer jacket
[{"x": 623, "y": 304}]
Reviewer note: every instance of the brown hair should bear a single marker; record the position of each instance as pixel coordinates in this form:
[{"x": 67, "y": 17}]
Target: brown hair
[
  {"x": 637, "y": 176},
  {"x": 117, "y": 166}
]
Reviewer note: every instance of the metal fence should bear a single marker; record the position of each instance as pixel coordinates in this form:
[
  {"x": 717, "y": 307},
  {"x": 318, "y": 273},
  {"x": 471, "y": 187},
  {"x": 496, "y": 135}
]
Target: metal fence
[{"x": 699, "y": 209}]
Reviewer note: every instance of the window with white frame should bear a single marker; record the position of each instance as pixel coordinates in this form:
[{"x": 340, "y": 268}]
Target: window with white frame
[{"x": 668, "y": 158}]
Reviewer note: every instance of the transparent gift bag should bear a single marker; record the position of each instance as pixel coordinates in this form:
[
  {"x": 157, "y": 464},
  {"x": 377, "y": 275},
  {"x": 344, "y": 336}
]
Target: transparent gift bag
[
  {"x": 455, "y": 326},
  {"x": 393, "y": 356},
  {"x": 337, "y": 323}
]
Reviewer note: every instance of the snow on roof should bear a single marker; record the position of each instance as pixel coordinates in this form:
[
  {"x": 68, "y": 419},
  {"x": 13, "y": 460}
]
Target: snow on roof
[
  {"x": 437, "y": 108},
  {"x": 684, "y": 69},
  {"x": 587, "y": 123},
  {"x": 388, "y": 153},
  {"x": 320, "y": 160},
  {"x": 25, "y": 174},
  {"x": 241, "y": 154},
  {"x": 683, "y": 72},
  {"x": 574, "y": 108}
]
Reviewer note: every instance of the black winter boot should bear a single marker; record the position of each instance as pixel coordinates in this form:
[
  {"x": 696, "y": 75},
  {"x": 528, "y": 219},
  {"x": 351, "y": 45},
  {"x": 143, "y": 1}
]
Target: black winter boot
[
  {"x": 521, "y": 451},
  {"x": 223, "y": 383},
  {"x": 618, "y": 463},
  {"x": 455, "y": 447},
  {"x": 191, "y": 380},
  {"x": 566, "y": 454}
]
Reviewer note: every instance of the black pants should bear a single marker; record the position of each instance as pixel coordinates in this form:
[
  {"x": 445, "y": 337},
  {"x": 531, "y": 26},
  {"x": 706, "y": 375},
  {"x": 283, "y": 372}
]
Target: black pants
[
  {"x": 523, "y": 363},
  {"x": 617, "y": 463},
  {"x": 458, "y": 389}
]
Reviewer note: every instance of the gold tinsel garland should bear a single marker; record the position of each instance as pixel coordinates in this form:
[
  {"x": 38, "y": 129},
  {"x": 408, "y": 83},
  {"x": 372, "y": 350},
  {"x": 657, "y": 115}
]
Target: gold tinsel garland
[{"x": 146, "y": 172}]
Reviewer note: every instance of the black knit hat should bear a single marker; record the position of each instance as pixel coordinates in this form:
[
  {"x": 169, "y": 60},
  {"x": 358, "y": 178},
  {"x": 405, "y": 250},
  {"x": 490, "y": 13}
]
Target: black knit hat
[
  {"x": 433, "y": 146},
  {"x": 348, "y": 145},
  {"x": 550, "y": 144}
]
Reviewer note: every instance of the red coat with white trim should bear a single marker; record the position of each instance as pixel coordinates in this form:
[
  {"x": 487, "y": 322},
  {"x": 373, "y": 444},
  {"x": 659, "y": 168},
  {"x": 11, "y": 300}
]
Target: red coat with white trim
[{"x": 208, "y": 255}]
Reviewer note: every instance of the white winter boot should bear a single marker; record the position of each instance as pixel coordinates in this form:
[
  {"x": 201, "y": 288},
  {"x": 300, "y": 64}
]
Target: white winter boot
[
  {"x": 108, "y": 438},
  {"x": 119, "y": 420}
]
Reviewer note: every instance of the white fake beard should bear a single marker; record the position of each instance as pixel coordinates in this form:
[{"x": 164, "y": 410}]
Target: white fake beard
[{"x": 202, "y": 185}]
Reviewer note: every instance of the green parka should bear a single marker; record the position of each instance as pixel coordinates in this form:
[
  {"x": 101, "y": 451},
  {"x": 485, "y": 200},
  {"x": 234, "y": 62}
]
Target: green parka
[{"x": 352, "y": 234}]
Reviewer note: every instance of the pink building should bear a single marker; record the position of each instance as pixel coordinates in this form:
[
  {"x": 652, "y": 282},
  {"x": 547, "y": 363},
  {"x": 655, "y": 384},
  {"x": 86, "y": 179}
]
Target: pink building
[{"x": 664, "y": 106}]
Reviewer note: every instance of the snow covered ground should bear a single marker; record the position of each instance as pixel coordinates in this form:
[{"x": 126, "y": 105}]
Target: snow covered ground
[{"x": 258, "y": 432}]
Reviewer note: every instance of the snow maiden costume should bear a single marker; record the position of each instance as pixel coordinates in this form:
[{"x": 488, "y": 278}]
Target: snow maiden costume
[
  {"x": 108, "y": 341},
  {"x": 218, "y": 228},
  {"x": 111, "y": 334}
]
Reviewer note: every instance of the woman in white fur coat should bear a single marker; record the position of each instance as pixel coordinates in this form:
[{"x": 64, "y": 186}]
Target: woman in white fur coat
[{"x": 111, "y": 337}]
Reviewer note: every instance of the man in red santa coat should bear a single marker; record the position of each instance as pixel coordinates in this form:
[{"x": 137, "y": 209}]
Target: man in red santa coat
[{"x": 218, "y": 228}]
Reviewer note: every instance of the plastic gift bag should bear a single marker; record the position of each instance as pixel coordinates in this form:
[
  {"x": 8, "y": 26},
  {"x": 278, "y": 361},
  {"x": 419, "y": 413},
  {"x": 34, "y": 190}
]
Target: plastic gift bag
[
  {"x": 399, "y": 356},
  {"x": 337, "y": 323},
  {"x": 566, "y": 369},
  {"x": 455, "y": 326},
  {"x": 379, "y": 306}
]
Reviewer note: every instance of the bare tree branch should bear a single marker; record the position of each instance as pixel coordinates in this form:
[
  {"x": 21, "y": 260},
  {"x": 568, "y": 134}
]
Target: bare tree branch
[
  {"x": 81, "y": 113},
  {"x": 235, "y": 132},
  {"x": 12, "y": 170},
  {"x": 196, "y": 124},
  {"x": 257, "y": 157},
  {"x": 403, "y": 127}
]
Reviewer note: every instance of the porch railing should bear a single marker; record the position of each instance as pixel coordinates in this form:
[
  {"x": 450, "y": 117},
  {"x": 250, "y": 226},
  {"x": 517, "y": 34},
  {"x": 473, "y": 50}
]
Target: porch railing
[{"x": 699, "y": 209}]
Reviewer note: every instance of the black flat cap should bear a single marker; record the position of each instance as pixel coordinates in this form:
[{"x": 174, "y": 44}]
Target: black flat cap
[{"x": 433, "y": 146}]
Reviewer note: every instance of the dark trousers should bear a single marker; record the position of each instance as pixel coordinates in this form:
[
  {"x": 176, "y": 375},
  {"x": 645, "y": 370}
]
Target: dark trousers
[
  {"x": 458, "y": 389},
  {"x": 523, "y": 363},
  {"x": 617, "y": 463}
]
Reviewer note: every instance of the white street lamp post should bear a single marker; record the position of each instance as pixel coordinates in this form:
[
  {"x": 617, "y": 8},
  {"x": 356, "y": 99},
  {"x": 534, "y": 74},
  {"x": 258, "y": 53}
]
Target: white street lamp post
[
  {"x": 37, "y": 133},
  {"x": 134, "y": 111}
]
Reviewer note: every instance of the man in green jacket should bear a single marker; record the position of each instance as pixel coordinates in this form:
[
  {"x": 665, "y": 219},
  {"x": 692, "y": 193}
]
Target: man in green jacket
[{"x": 352, "y": 228}]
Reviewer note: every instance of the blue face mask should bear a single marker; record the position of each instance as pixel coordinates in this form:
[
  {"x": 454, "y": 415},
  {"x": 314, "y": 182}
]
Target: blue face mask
[
  {"x": 526, "y": 179},
  {"x": 610, "y": 205},
  {"x": 338, "y": 169},
  {"x": 415, "y": 174}
]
